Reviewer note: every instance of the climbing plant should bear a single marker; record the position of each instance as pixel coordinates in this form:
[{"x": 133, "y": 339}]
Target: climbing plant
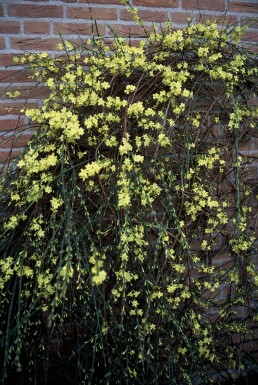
[{"x": 128, "y": 236}]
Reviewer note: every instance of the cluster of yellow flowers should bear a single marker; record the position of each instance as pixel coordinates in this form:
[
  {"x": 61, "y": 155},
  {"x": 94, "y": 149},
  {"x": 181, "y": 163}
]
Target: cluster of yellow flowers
[{"x": 126, "y": 200}]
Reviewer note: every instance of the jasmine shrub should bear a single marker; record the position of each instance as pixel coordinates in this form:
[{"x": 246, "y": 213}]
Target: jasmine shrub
[{"x": 128, "y": 233}]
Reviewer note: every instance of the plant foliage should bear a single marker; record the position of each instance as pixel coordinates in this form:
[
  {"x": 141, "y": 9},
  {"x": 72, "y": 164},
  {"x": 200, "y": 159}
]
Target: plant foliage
[{"x": 128, "y": 222}]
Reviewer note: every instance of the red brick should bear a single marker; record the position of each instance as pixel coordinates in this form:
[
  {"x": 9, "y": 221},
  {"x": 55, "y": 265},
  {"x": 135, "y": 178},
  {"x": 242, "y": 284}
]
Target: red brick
[
  {"x": 210, "y": 5},
  {"x": 250, "y": 36},
  {"x": 99, "y": 1},
  {"x": 156, "y": 3},
  {"x": 15, "y": 107},
  {"x": 93, "y": 13},
  {"x": 15, "y": 141},
  {"x": 9, "y": 27},
  {"x": 241, "y": 6},
  {"x": 39, "y": 92},
  {"x": 26, "y": 91},
  {"x": 14, "y": 75},
  {"x": 34, "y": 43},
  {"x": 249, "y": 21},
  {"x": 35, "y": 10},
  {"x": 11, "y": 124},
  {"x": 251, "y": 47},
  {"x": 155, "y": 16},
  {"x": 180, "y": 17},
  {"x": 6, "y": 59},
  {"x": 1, "y": 10},
  {"x": 130, "y": 30},
  {"x": 36, "y": 27},
  {"x": 221, "y": 20},
  {"x": 6, "y": 156},
  {"x": 2, "y": 43},
  {"x": 135, "y": 42},
  {"x": 80, "y": 29}
]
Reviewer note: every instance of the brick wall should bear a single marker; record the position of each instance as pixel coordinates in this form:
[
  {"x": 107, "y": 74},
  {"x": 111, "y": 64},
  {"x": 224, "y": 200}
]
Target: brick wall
[{"x": 31, "y": 26}]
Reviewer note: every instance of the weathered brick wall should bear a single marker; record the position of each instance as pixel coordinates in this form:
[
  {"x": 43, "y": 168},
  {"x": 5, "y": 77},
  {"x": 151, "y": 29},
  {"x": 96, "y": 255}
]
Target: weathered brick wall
[{"x": 31, "y": 26}]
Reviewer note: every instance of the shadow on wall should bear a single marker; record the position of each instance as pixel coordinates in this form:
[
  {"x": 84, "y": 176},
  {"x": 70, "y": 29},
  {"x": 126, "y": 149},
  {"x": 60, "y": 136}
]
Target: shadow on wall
[
  {"x": 59, "y": 375},
  {"x": 252, "y": 379}
]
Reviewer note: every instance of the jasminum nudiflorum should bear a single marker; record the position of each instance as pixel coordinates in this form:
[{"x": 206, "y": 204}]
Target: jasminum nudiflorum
[{"x": 127, "y": 225}]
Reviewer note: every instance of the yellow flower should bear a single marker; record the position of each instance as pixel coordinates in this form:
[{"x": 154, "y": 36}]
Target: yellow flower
[
  {"x": 163, "y": 140},
  {"x": 124, "y": 198},
  {"x": 12, "y": 223},
  {"x": 129, "y": 88},
  {"x": 204, "y": 245},
  {"x": 55, "y": 204},
  {"x": 99, "y": 278},
  {"x": 125, "y": 147},
  {"x": 182, "y": 351},
  {"x": 138, "y": 158}
]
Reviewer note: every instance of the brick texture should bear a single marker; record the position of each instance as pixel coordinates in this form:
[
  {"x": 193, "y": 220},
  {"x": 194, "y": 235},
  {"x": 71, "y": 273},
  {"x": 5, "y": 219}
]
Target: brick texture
[
  {"x": 9, "y": 27},
  {"x": 11, "y": 124},
  {"x": 180, "y": 17},
  {"x": 108, "y": 2},
  {"x": 220, "y": 20},
  {"x": 8, "y": 155},
  {"x": 146, "y": 15},
  {"x": 251, "y": 36},
  {"x": 14, "y": 107},
  {"x": 15, "y": 141},
  {"x": 155, "y": 4},
  {"x": 77, "y": 28},
  {"x": 10, "y": 75},
  {"x": 251, "y": 21},
  {"x": 93, "y": 13},
  {"x": 34, "y": 26},
  {"x": 35, "y": 44},
  {"x": 130, "y": 30},
  {"x": 6, "y": 59},
  {"x": 243, "y": 6},
  {"x": 34, "y": 11},
  {"x": 2, "y": 43},
  {"x": 210, "y": 5}
]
